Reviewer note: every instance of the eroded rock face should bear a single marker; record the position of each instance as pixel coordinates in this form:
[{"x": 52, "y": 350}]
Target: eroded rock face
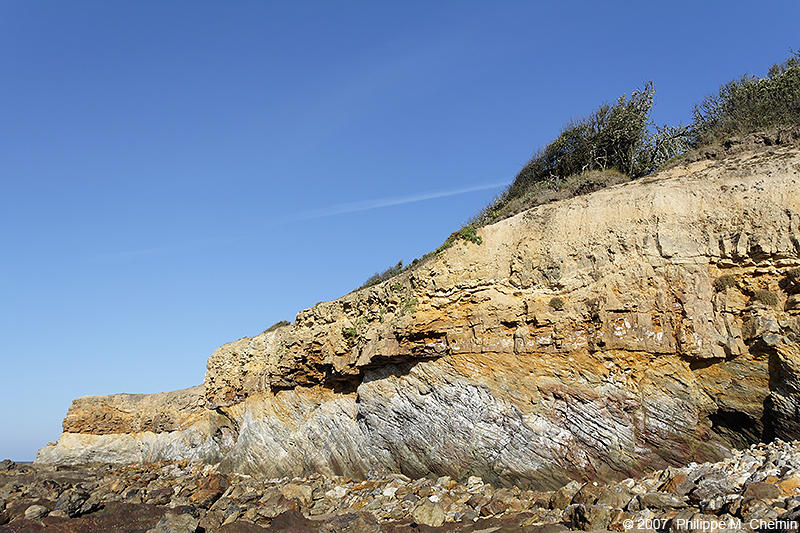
[
  {"x": 126, "y": 413},
  {"x": 122, "y": 428},
  {"x": 637, "y": 327}
]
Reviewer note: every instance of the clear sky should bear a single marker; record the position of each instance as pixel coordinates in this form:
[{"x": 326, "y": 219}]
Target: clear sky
[{"x": 176, "y": 175}]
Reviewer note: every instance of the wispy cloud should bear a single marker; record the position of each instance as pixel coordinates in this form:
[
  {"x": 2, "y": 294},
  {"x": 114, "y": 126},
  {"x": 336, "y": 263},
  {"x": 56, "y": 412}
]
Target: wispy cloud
[
  {"x": 338, "y": 209},
  {"x": 129, "y": 254},
  {"x": 378, "y": 203},
  {"x": 136, "y": 253}
]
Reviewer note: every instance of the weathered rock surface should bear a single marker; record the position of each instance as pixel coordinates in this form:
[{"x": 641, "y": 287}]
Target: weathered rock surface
[{"x": 634, "y": 328}]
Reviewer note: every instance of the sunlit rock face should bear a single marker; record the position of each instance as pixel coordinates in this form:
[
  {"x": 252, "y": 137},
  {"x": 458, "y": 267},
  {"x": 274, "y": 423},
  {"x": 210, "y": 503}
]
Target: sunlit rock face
[{"x": 643, "y": 325}]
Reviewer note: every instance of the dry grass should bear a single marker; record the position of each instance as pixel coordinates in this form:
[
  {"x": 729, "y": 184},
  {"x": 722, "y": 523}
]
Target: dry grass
[{"x": 548, "y": 191}]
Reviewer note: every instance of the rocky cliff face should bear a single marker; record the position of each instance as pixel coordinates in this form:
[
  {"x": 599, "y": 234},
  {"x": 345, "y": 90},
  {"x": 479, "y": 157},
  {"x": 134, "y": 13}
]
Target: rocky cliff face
[{"x": 637, "y": 327}]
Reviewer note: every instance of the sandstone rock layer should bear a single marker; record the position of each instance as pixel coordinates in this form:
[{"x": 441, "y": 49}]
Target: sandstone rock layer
[{"x": 637, "y": 327}]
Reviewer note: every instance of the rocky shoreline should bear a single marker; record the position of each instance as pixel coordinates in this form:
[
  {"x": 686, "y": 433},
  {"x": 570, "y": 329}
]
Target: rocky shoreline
[{"x": 756, "y": 489}]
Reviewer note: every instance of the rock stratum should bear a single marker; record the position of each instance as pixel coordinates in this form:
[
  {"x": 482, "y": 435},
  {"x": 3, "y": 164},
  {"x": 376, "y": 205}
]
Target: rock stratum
[
  {"x": 631, "y": 329},
  {"x": 756, "y": 489}
]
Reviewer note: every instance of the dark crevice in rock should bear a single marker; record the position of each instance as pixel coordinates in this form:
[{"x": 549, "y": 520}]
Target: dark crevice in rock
[
  {"x": 738, "y": 428},
  {"x": 699, "y": 364},
  {"x": 343, "y": 384}
]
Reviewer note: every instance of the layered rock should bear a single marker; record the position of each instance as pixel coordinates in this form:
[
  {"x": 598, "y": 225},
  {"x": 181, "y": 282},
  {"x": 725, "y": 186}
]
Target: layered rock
[
  {"x": 121, "y": 428},
  {"x": 633, "y": 328}
]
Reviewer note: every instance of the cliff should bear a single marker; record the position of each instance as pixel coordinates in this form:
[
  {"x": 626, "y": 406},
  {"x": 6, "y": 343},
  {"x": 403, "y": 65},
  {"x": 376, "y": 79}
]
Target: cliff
[{"x": 637, "y": 327}]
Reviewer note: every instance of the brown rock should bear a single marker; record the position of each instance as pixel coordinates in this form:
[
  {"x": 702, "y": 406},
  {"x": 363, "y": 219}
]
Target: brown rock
[
  {"x": 209, "y": 490},
  {"x": 351, "y": 523},
  {"x": 292, "y": 522},
  {"x": 678, "y": 485},
  {"x": 298, "y": 491},
  {"x": 204, "y": 497},
  {"x": 563, "y": 496},
  {"x": 241, "y": 526},
  {"x": 429, "y": 513},
  {"x": 761, "y": 491},
  {"x": 588, "y": 494},
  {"x": 790, "y": 486},
  {"x": 160, "y": 496},
  {"x": 216, "y": 482},
  {"x": 660, "y": 500}
]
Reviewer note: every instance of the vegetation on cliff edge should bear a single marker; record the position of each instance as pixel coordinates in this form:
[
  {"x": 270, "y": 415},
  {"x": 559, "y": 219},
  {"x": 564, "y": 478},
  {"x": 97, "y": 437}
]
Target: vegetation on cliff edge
[{"x": 620, "y": 142}]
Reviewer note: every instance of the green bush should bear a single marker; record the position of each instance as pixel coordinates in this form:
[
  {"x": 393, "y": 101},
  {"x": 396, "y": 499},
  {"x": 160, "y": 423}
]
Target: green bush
[
  {"x": 766, "y": 297},
  {"x": 350, "y": 334},
  {"x": 379, "y": 277},
  {"x": 408, "y": 306},
  {"x": 557, "y": 303},
  {"x": 467, "y": 233},
  {"x": 723, "y": 282},
  {"x": 621, "y": 137},
  {"x": 276, "y": 325},
  {"x": 608, "y": 138},
  {"x": 749, "y": 104},
  {"x": 617, "y": 139}
]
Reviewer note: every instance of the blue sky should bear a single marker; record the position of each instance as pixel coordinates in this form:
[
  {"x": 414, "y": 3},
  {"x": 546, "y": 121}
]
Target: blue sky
[{"x": 176, "y": 175}]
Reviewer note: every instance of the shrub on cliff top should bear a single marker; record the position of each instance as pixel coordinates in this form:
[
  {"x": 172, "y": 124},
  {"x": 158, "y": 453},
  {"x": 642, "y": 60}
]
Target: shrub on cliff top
[
  {"x": 622, "y": 137},
  {"x": 276, "y": 325},
  {"x": 608, "y": 138},
  {"x": 749, "y": 104},
  {"x": 619, "y": 142},
  {"x": 378, "y": 277},
  {"x": 619, "y": 139}
]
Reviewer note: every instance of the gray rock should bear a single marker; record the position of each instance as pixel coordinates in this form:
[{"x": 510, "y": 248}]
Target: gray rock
[
  {"x": 615, "y": 496},
  {"x": 660, "y": 500},
  {"x": 71, "y": 501},
  {"x": 176, "y": 523},
  {"x": 36, "y": 512},
  {"x": 590, "y": 517}
]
